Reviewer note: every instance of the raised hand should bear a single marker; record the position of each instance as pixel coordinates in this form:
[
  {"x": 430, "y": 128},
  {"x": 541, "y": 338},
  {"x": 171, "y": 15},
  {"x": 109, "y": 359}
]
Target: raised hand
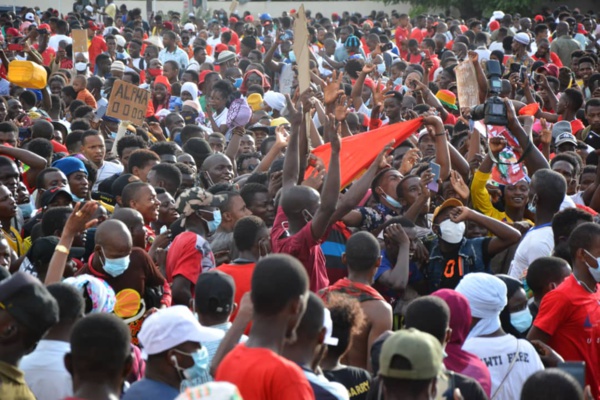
[
  {"x": 396, "y": 233},
  {"x": 459, "y": 214},
  {"x": 341, "y": 108},
  {"x": 410, "y": 159},
  {"x": 459, "y": 185},
  {"x": 546, "y": 134},
  {"x": 332, "y": 89}
]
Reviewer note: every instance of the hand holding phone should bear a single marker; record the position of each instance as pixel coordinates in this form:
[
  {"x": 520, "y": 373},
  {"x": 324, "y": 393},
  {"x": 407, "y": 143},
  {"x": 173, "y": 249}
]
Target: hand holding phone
[{"x": 435, "y": 170}]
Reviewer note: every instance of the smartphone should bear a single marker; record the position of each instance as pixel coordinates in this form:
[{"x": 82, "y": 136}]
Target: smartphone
[
  {"x": 522, "y": 73},
  {"x": 427, "y": 53},
  {"x": 15, "y": 47},
  {"x": 574, "y": 368},
  {"x": 24, "y": 134},
  {"x": 515, "y": 68},
  {"x": 593, "y": 139},
  {"x": 386, "y": 47},
  {"x": 435, "y": 169}
]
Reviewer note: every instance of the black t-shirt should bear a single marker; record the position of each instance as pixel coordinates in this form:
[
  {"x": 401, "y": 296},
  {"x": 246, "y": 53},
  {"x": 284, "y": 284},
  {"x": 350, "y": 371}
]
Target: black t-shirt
[
  {"x": 453, "y": 270},
  {"x": 356, "y": 380}
]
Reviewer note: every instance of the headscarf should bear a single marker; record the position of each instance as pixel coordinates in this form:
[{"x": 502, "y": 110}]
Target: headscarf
[
  {"x": 512, "y": 286},
  {"x": 457, "y": 359},
  {"x": 265, "y": 82},
  {"x": 192, "y": 89},
  {"x": 166, "y": 101},
  {"x": 101, "y": 295},
  {"x": 487, "y": 297},
  {"x": 275, "y": 100}
]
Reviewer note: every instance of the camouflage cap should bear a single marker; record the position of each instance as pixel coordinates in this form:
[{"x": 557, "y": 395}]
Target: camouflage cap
[{"x": 191, "y": 200}]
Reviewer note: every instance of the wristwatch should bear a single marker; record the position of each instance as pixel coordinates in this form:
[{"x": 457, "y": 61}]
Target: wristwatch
[{"x": 61, "y": 249}]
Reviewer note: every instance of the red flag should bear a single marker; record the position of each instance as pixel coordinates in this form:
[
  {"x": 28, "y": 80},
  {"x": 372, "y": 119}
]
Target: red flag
[{"x": 359, "y": 151}]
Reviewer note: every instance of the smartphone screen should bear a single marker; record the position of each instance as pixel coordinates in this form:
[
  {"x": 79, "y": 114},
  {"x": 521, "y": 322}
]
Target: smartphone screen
[
  {"x": 435, "y": 170},
  {"x": 523, "y": 73},
  {"x": 574, "y": 368}
]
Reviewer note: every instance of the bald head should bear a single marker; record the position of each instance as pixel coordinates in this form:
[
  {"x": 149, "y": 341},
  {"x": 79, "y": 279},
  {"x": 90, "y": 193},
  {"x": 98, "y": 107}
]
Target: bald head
[
  {"x": 128, "y": 216},
  {"x": 299, "y": 198},
  {"x": 113, "y": 236},
  {"x": 562, "y": 28},
  {"x": 213, "y": 160}
]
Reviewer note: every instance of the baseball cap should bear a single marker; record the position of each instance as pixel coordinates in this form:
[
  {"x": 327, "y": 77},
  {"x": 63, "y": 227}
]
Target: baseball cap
[
  {"x": 225, "y": 56},
  {"x": 522, "y": 38},
  {"x": 170, "y": 327},
  {"x": 189, "y": 27},
  {"x": 328, "y": 324},
  {"x": 92, "y": 26},
  {"x": 446, "y": 204},
  {"x": 216, "y": 291},
  {"x": 89, "y": 8},
  {"x": 168, "y": 25},
  {"x": 28, "y": 301},
  {"x": 194, "y": 199},
  {"x": 69, "y": 165},
  {"x": 551, "y": 69},
  {"x": 203, "y": 75},
  {"x": 45, "y": 26},
  {"x": 13, "y": 32},
  {"x": 422, "y": 351},
  {"x": 561, "y": 127},
  {"x": 49, "y": 195},
  {"x": 565, "y": 137},
  {"x": 120, "y": 41},
  {"x": 279, "y": 121},
  {"x": 29, "y": 17},
  {"x": 265, "y": 17}
]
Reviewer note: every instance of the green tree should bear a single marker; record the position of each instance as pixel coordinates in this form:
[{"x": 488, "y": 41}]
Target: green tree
[{"x": 473, "y": 8}]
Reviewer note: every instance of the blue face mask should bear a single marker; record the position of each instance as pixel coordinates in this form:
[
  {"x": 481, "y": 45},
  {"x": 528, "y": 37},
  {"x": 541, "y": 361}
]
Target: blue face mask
[
  {"x": 115, "y": 266},
  {"x": 521, "y": 320},
  {"x": 200, "y": 367},
  {"x": 77, "y": 199},
  {"x": 381, "y": 68},
  {"x": 26, "y": 209},
  {"x": 532, "y": 204},
  {"x": 391, "y": 201},
  {"x": 214, "y": 224},
  {"x": 398, "y": 81},
  {"x": 292, "y": 56},
  {"x": 113, "y": 135},
  {"x": 238, "y": 83}
]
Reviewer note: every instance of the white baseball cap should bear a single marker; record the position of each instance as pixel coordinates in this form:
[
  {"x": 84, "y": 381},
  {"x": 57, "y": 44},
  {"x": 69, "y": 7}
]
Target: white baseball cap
[
  {"x": 170, "y": 327},
  {"x": 120, "y": 41},
  {"x": 30, "y": 17},
  {"x": 328, "y": 324},
  {"x": 189, "y": 27}
]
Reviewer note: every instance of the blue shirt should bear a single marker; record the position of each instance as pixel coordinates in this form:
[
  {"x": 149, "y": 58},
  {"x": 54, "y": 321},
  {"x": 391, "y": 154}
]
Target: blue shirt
[
  {"x": 178, "y": 56},
  {"x": 147, "y": 389}
]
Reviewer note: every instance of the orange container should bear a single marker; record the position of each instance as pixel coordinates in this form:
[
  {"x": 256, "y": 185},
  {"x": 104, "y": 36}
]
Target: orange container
[{"x": 27, "y": 74}]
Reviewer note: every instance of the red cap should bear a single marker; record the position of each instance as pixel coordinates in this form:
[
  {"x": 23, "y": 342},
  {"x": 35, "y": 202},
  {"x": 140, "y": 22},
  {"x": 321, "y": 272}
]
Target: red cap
[
  {"x": 494, "y": 25},
  {"x": 581, "y": 29},
  {"x": 293, "y": 11},
  {"x": 221, "y": 47},
  {"x": 335, "y": 16},
  {"x": 233, "y": 20},
  {"x": 91, "y": 25},
  {"x": 163, "y": 80},
  {"x": 13, "y": 32},
  {"x": 539, "y": 18},
  {"x": 249, "y": 18},
  {"x": 168, "y": 25},
  {"x": 45, "y": 26},
  {"x": 550, "y": 69},
  {"x": 203, "y": 76}
]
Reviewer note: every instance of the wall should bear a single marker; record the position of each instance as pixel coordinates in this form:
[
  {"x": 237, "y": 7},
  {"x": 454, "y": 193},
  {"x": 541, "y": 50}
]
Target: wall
[{"x": 255, "y": 7}]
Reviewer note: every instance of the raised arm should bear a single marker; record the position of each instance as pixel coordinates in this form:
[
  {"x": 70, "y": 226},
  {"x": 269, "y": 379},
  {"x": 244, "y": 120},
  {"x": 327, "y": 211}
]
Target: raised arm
[
  {"x": 273, "y": 65},
  {"x": 435, "y": 126},
  {"x": 397, "y": 277},
  {"x": 291, "y": 164},
  {"x": 356, "y": 94},
  {"x": 331, "y": 190}
]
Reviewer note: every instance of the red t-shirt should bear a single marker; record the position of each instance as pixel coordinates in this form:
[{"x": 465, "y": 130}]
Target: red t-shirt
[
  {"x": 189, "y": 255},
  {"x": 48, "y": 55},
  {"x": 401, "y": 35},
  {"x": 571, "y": 315},
  {"x": 304, "y": 247},
  {"x": 417, "y": 34},
  {"x": 260, "y": 374},
  {"x": 242, "y": 276},
  {"x": 97, "y": 47}
]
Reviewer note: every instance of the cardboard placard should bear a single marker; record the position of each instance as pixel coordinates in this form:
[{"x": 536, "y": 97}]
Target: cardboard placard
[
  {"x": 466, "y": 84},
  {"x": 301, "y": 49},
  {"x": 128, "y": 102},
  {"x": 233, "y": 6},
  {"x": 80, "y": 41}
]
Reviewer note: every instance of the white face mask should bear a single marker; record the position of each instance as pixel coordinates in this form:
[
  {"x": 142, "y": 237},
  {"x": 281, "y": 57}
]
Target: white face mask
[
  {"x": 451, "y": 232},
  {"x": 595, "y": 272},
  {"x": 81, "y": 66},
  {"x": 381, "y": 68}
]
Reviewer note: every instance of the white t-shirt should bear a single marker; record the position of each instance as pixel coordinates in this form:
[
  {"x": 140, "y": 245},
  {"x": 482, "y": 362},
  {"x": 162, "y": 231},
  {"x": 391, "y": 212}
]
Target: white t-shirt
[
  {"x": 56, "y": 39},
  {"x": 498, "y": 353},
  {"x": 45, "y": 371},
  {"x": 107, "y": 170},
  {"x": 538, "y": 242}
]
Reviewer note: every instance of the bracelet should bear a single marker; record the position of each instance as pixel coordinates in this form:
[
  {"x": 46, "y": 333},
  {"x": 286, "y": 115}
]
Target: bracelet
[
  {"x": 440, "y": 134},
  {"x": 61, "y": 249}
]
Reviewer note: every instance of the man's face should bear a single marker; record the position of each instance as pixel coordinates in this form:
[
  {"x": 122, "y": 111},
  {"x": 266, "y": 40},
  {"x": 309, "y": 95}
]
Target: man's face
[
  {"x": 8, "y": 205},
  {"x": 167, "y": 212},
  {"x": 8, "y": 138},
  {"x": 94, "y": 149},
  {"x": 238, "y": 209},
  {"x": 175, "y": 122},
  {"x": 167, "y": 41},
  {"x": 221, "y": 170},
  {"x": 147, "y": 204},
  {"x": 543, "y": 49},
  {"x": 586, "y": 70},
  {"x": 170, "y": 72},
  {"x": 568, "y": 172},
  {"x": 9, "y": 177},
  {"x": 593, "y": 117},
  {"x": 55, "y": 179},
  {"x": 111, "y": 44},
  {"x": 14, "y": 109},
  {"x": 542, "y": 34},
  {"x": 134, "y": 50},
  {"x": 217, "y": 144},
  {"x": 79, "y": 184},
  {"x": 185, "y": 38}
]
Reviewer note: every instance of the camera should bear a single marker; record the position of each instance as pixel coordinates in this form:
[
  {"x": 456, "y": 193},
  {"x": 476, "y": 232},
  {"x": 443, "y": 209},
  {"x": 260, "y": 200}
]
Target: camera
[{"x": 493, "y": 111}]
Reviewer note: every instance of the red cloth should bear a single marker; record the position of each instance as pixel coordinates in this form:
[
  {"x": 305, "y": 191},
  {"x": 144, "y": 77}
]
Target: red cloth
[
  {"x": 554, "y": 59},
  {"x": 417, "y": 34},
  {"x": 97, "y": 47},
  {"x": 304, "y": 247},
  {"x": 260, "y": 374},
  {"x": 58, "y": 148},
  {"x": 48, "y": 55},
  {"x": 571, "y": 316},
  {"x": 359, "y": 291},
  {"x": 242, "y": 276},
  {"x": 189, "y": 255},
  {"x": 401, "y": 35}
]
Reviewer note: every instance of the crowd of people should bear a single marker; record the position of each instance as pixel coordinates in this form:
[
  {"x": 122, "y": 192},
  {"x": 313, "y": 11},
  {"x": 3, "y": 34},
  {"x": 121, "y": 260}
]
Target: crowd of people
[{"x": 249, "y": 241}]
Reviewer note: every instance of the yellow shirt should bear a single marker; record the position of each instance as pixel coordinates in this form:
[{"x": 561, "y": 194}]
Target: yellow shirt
[
  {"x": 12, "y": 383},
  {"x": 480, "y": 197},
  {"x": 15, "y": 241}
]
